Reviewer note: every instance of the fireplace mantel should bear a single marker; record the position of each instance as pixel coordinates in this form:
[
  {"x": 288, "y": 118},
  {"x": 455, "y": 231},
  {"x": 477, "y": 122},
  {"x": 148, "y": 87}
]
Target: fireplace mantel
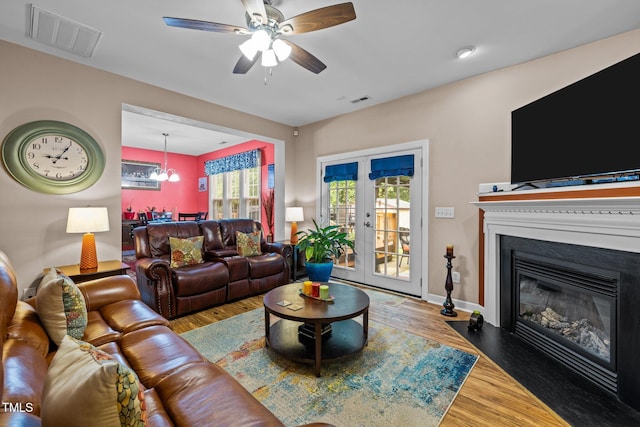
[{"x": 604, "y": 222}]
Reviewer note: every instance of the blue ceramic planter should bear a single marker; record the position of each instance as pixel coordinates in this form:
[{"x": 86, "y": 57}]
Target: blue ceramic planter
[{"x": 319, "y": 272}]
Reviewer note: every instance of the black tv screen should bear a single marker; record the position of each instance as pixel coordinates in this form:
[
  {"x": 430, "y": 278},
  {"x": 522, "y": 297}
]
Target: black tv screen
[{"x": 590, "y": 128}]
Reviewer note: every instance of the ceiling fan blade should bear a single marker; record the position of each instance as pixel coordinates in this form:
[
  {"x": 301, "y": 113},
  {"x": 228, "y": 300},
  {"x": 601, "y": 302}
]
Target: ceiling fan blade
[
  {"x": 243, "y": 65},
  {"x": 304, "y": 58},
  {"x": 256, "y": 10},
  {"x": 194, "y": 24},
  {"x": 318, "y": 19}
]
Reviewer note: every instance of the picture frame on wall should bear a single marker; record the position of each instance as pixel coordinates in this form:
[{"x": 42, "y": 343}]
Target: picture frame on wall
[
  {"x": 135, "y": 175},
  {"x": 271, "y": 176},
  {"x": 202, "y": 184}
]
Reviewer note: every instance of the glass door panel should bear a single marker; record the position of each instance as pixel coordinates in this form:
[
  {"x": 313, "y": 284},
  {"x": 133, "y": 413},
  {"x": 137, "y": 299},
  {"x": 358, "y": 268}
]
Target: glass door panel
[
  {"x": 392, "y": 214},
  {"x": 342, "y": 212}
]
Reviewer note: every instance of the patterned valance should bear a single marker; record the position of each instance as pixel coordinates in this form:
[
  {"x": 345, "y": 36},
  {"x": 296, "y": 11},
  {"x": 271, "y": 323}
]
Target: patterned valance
[{"x": 246, "y": 160}]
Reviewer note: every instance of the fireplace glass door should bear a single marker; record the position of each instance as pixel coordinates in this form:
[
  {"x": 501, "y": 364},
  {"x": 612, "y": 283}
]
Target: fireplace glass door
[
  {"x": 582, "y": 318},
  {"x": 569, "y": 310}
]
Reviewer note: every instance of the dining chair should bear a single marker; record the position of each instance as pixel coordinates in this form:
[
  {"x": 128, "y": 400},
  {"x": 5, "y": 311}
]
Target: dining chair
[{"x": 184, "y": 216}]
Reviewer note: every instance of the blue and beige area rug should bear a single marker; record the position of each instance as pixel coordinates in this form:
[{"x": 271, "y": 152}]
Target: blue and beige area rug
[{"x": 398, "y": 379}]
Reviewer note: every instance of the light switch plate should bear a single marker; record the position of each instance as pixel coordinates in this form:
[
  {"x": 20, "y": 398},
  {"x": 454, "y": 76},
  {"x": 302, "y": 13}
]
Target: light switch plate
[{"x": 445, "y": 212}]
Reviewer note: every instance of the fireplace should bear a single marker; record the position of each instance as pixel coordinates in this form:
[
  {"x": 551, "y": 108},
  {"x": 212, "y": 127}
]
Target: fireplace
[
  {"x": 565, "y": 300},
  {"x": 564, "y": 276}
]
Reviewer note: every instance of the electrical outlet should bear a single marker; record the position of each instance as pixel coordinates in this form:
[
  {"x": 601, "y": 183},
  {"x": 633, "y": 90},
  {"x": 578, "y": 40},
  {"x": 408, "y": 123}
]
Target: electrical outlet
[
  {"x": 444, "y": 212},
  {"x": 29, "y": 292},
  {"x": 455, "y": 276}
]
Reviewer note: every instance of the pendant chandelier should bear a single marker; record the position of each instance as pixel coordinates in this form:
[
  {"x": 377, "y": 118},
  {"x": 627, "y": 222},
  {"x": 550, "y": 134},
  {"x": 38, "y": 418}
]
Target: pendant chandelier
[{"x": 165, "y": 174}]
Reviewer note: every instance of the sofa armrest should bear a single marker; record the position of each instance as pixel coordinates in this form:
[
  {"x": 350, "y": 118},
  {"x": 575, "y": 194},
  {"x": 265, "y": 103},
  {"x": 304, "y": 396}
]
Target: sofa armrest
[
  {"x": 219, "y": 253},
  {"x": 283, "y": 249},
  {"x": 22, "y": 419},
  {"x": 153, "y": 276},
  {"x": 107, "y": 290}
]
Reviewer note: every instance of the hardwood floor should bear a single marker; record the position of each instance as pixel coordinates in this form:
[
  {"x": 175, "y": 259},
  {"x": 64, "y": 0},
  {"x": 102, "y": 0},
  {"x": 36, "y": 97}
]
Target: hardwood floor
[{"x": 489, "y": 397}]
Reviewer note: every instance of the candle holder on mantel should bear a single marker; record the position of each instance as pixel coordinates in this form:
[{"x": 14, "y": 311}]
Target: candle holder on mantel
[{"x": 448, "y": 286}]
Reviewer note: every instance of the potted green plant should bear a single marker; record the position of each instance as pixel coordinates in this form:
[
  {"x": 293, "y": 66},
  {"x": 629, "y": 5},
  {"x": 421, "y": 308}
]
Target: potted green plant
[{"x": 321, "y": 245}]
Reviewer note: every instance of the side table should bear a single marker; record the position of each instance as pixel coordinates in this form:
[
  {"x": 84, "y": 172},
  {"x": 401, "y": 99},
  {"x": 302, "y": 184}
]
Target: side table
[
  {"x": 104, "y": 269},
  {"x": 297, "y": 262}
]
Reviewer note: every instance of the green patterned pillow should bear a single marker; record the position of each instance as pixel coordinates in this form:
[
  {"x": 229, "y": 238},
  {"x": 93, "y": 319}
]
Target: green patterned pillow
[
  {"x": 85, "y": 386},
  {"x": 186, "y": 251},
  {"x": 248, "y": 243},
  {"x": 61, "y": 307}
]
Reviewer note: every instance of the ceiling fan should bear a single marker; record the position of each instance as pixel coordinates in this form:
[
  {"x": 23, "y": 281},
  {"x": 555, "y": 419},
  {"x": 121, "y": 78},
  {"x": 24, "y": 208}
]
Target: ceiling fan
[{"x": 267, "y": 25}]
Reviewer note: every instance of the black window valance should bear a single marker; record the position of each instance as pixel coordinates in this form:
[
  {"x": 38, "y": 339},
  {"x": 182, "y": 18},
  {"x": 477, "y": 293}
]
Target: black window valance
[
  {"x": 392, "y": 166},
  {"x": 341, "y": 172}
]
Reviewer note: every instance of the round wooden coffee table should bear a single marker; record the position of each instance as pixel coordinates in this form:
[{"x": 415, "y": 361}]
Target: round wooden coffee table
[{"x": 342, "y": 336}]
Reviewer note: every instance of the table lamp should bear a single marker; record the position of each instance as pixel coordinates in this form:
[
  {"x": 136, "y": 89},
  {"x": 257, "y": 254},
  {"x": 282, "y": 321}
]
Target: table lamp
[
  {"x": 88, "y": 221},
  {"x": 293, "y": 215}
]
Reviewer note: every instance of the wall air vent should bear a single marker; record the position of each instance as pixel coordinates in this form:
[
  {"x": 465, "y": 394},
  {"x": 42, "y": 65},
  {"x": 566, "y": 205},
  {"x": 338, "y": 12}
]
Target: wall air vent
[{"x": 63, "y": 33}]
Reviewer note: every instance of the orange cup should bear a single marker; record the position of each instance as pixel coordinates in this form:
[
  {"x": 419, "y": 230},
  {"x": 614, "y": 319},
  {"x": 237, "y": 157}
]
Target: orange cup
[{"x": 306, "y": 287}]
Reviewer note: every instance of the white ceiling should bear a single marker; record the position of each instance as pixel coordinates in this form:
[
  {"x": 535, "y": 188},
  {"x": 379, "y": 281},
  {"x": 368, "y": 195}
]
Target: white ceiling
[
  {"x": 392, "y": 49},
  {"x": 143, "y": 128}
]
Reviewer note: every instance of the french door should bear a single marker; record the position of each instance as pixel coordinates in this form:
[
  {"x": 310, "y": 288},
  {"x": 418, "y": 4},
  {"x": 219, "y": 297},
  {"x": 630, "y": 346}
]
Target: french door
[{"x": 377, "y": 200}]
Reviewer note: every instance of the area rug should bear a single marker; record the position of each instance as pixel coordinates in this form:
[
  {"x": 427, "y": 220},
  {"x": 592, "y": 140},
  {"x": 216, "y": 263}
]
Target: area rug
[{"x": 398, "y": 379}]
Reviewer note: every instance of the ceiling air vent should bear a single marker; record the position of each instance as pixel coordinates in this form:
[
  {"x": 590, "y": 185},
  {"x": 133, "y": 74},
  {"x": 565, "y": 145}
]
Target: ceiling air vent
[
  {"x": 362, "y": 98},
  {"x": 63, "y": 33}
]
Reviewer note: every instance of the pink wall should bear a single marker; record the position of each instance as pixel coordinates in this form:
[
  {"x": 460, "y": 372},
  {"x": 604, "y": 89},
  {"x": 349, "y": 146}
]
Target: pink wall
[
  {"x": 173, "y": 196},
  {"x": 184, "y": 196}
]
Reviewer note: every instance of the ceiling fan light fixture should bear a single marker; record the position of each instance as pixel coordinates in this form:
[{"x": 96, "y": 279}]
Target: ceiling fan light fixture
[
  {"x": 281, "y": 49},
  {"x": 265, "y": 24},
  {"x": 249, "y": 49},
  {"x": 465, "y": 52},
  {"x": 262, "y": 39},
  {"x": 269, "y": 58}
]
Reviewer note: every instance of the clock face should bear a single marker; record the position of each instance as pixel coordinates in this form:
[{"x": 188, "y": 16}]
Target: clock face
[
  {"x": 52, "y": 157},
  {"x": 56, "y": 157}
]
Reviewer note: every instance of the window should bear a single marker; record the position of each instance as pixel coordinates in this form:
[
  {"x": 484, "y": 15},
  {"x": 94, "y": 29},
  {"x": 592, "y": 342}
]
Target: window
[
  {"x": 252, "y": 193},
  {"x": 236, "y": 194},
  {"x": 217, "y": 190}
]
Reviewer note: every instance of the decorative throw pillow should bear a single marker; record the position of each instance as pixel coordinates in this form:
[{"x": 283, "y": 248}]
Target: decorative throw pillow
[
  {"x": 85, "y": 386},
  {"x": 248, "y": 243},
  {"x": 61, "y": 307},
  {"x": 186, "y": 251}
]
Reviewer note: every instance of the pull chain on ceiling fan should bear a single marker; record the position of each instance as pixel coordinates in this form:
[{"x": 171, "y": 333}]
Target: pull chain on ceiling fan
[{"x": 267, "y": 25}]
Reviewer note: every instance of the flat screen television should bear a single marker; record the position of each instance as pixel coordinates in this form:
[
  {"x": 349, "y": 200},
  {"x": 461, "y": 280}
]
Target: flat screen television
[{"x": 587, "y": 130}]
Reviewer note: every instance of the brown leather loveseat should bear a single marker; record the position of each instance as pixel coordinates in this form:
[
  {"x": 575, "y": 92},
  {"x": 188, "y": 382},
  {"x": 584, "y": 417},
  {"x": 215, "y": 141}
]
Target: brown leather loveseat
[
  {"x": 178, "y": 386},
  {"x": 222, "y": 276}
]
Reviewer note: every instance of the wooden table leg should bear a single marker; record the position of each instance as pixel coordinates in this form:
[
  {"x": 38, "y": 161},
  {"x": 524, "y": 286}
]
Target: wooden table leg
[
  {"x": 365, "y": 326},
  {"x": 318, "y": 328},
  {"x": 267, "y": 324}
]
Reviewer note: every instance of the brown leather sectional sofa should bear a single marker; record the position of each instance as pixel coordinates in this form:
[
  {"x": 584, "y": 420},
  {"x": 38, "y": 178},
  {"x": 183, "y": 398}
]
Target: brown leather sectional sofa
[
  {"x": 180, "y": 387},
  {"x": 223, "y": 276}
]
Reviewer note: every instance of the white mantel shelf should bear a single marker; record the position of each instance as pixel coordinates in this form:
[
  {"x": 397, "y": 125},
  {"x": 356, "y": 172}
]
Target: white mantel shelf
[
  {"x": 601, "y": 205},
  {"x": 604, "y": 222}
]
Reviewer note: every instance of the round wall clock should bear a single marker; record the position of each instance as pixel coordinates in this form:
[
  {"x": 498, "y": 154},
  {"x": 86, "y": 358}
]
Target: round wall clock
[{"x": 52, "y": 157}]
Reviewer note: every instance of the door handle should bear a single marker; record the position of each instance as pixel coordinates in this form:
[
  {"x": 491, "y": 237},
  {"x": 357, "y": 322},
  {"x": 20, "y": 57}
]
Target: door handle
[{"x": 367, "y": 224}]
